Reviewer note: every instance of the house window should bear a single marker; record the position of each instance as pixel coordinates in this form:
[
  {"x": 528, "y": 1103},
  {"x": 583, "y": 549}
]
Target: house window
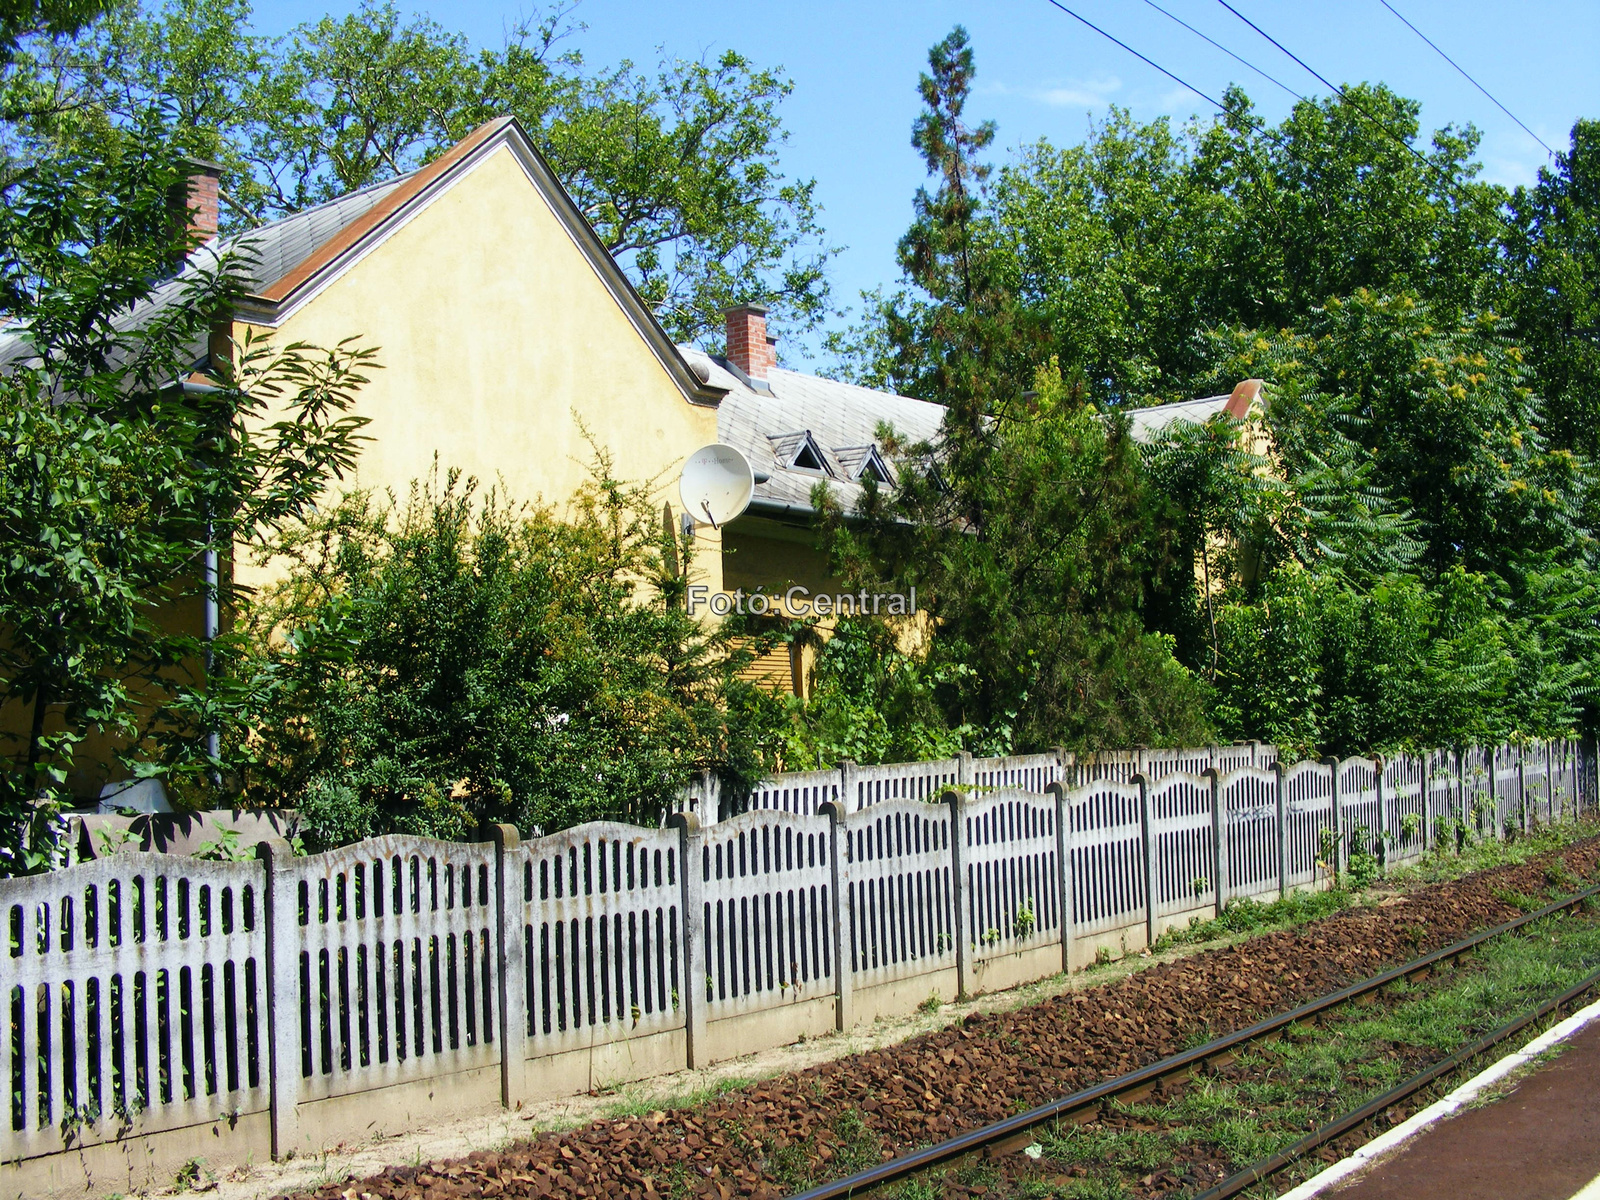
[
  {"x": 864, "y": 462},
  {"x": 799, "y": 451},
  {"x": 807, "y": 458},
  {"x": 873, "y": 468}
]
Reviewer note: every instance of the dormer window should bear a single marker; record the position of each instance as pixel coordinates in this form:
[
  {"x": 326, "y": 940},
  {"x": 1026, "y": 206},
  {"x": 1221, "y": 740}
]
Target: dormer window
[
  {"x": 865, "y": 462},
  {"x": 800, "y": 452}
]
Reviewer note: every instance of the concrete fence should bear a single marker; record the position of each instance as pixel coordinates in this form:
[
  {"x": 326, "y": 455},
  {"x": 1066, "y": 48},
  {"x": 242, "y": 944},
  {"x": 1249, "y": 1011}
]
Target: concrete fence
[
  {"x": 855, "y": 786},
  {"x": 160, "y": 1007}
]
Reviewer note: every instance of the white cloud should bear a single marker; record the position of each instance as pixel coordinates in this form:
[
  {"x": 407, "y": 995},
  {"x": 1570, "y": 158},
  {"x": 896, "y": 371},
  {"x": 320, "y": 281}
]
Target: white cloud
[
  {"x": 1077, "y": 93},
  {"x": 1510, "y": 172},
  {"x": 1074, "y": 93}
]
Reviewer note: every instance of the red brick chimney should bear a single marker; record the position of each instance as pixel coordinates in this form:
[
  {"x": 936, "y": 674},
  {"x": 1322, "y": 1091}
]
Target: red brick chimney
[
  {"x": 197, "y": 199},
  {"x": 749, "y": 347}
]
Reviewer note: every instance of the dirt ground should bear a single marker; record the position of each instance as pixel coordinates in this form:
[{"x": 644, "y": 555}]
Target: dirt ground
[{"x": 494, "y": 1129}]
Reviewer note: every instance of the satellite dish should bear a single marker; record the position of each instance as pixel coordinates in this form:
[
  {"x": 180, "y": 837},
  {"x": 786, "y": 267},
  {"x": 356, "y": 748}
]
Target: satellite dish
[{"x": 717, "y": 484}]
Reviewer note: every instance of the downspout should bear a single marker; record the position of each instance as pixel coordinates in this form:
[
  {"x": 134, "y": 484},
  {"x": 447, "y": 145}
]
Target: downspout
[{"x": 212, "y": 608}]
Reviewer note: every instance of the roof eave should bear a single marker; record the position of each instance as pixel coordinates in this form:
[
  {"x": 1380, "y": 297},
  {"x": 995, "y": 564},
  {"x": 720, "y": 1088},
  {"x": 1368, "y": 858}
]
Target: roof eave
[{"x": 274, "y": 304}]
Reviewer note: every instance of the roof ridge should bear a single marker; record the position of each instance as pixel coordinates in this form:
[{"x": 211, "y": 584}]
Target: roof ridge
[{"x": 350, "y": 235}]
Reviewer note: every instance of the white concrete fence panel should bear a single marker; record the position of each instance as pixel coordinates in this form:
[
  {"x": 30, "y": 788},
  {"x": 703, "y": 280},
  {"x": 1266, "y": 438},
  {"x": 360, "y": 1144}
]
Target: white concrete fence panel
[{"x": 158, "y": 1007}]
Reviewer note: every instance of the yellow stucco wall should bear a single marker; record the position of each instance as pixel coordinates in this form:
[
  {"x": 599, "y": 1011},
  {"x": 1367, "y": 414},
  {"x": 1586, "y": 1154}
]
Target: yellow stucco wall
[
  {"x": 764, "y": 554},
  {"x": 499, "y": 345}
]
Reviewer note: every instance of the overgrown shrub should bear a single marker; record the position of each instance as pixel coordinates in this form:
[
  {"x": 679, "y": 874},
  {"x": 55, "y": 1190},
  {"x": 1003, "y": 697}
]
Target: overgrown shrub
[{"x": 459, "y": 659}]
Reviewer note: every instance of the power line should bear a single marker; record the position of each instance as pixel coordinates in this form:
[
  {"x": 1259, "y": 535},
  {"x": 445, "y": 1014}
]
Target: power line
[
  {"x": 1333, "y": 87},
  {"x": 1224, "y": 49},
  {"x": 1259, "y": 130},
  {"x": 1463, "y": 71},
  {"x": 1147, "y": 61}
]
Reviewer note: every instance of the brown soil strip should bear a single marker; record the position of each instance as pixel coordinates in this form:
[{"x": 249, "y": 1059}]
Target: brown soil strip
[{"x": 786, "y": 1132}]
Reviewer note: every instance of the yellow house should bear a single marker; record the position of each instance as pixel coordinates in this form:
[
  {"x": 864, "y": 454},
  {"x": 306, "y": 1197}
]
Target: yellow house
[{"x": 508, "y": 337}]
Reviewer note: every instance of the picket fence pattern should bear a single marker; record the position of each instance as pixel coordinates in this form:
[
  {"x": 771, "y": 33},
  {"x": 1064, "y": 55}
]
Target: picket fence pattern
[
  {"x": 148, "y": 993},
  {"x": 859, "y": 786}
]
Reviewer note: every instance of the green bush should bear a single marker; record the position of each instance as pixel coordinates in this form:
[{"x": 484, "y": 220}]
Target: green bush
[{"x": 461, "y": 659}]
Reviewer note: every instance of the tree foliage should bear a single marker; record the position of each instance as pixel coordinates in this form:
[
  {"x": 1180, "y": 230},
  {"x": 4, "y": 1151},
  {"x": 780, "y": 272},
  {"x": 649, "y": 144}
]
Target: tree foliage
[
  {"x": 1403, "y": 550},
  {"x": 1550, "y": 287},
  {"x": 676, "y": 169},
  {"x": 116, "y": 479},
  {"x": 459, "y": 659}
]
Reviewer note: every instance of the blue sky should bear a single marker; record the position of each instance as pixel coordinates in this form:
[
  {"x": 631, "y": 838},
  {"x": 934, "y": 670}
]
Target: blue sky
[{"x": 1042, "y": 74}]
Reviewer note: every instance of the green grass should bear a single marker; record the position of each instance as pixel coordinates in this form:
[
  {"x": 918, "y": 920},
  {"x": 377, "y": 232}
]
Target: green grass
[
  {"x": 1279, "y": 1092},
  {"x": 1482, "y": 855},
  {"x": 1248, "y": 916},
  {"x": 645, "y": 1103}
]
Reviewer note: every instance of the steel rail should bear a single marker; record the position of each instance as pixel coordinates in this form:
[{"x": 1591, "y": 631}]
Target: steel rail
[
  {"x": 1015, "y": 1132},
  {"x": 1289, "y": 1155}
]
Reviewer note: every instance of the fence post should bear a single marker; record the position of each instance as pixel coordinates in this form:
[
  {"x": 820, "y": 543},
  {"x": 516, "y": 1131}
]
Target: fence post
[
  {"x": 964, "y": 770},
  {"x": 1589, "y": 784},
  {"x": 1383, "y": 814},
  {"x": 1522, "y": 788},
  {"x": 1219, "y": 839},
  {"x": 1425, "y": 797},
  {"x": 1283, "y": 829},
  {"x": 958, "y": 890},
  {"x": 691, "y": 878},
  {"x": 1148, "y": 835},
  {"x": 1066, "y": 767},
  {"x": 280, "y": 913},
  {"x": 1064, "y": 873},
  {"x": 1554, "y": 809},
  {"x": 1337, "y": 865},
  {"x": 1477, "y": 806},
  {"x": 847, "y": 785},
  {"x": 512, "y": 974},
  {"x": 843, "y": 914}
]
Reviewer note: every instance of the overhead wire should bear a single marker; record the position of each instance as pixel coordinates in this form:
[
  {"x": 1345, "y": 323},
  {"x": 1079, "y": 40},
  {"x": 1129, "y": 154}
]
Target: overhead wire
[
  {"x": 1147, "y": 61},
  {"x": 1259, "y": 129},
  {"x": 1327, "y": 83},
  {"x": 1401, "y": 18},
  {"x": 1237, "y": 58}
]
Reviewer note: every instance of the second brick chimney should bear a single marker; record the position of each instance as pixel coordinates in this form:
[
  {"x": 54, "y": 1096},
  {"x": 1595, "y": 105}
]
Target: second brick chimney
[
  {"x": 197, "y": 199},
  {"x": 749, "y": 347}
]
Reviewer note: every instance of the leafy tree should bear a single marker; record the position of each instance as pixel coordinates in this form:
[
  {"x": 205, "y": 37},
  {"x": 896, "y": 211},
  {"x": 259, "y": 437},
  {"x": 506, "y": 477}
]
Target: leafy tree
[
  {"x": 116, "y": 478},
  {"x": 462, "y": 659},
  {"x": 1125, "y": 250},
  {"x": 959, "y": 338},
  {"x": 1433, "y": 575},
  {"x": 1221, "y": 496},
  {"x": 1318, "y": 666},
  {"x": 871, "y": 700},
  {"x": 677, "y": 170},
  {"x": 1025, "y": 525},
  {"x": 1551, "y": 287}
]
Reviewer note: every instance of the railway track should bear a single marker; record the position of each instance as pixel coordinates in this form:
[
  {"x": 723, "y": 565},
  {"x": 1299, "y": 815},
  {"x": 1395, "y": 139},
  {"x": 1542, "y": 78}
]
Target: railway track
[{"x": 1013, "y": 1134}]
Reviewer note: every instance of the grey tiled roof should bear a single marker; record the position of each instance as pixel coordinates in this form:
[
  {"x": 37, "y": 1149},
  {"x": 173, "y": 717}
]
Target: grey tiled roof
[
  {"x": 1149, "y": 422},
  {"x": 261, "y": 258},
  {"x": 842, "y": 418},
  {"x": 280, "y": 247}
]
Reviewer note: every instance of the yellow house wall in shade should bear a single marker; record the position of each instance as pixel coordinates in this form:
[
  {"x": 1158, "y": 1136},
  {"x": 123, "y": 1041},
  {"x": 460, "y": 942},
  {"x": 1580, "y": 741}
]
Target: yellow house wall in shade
[{"x": 500, "y": 346}]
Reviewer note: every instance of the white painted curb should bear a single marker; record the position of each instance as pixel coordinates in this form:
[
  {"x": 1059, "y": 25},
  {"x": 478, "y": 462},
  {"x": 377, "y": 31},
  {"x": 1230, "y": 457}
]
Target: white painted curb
[{"x": 1438, "y": 1111}]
